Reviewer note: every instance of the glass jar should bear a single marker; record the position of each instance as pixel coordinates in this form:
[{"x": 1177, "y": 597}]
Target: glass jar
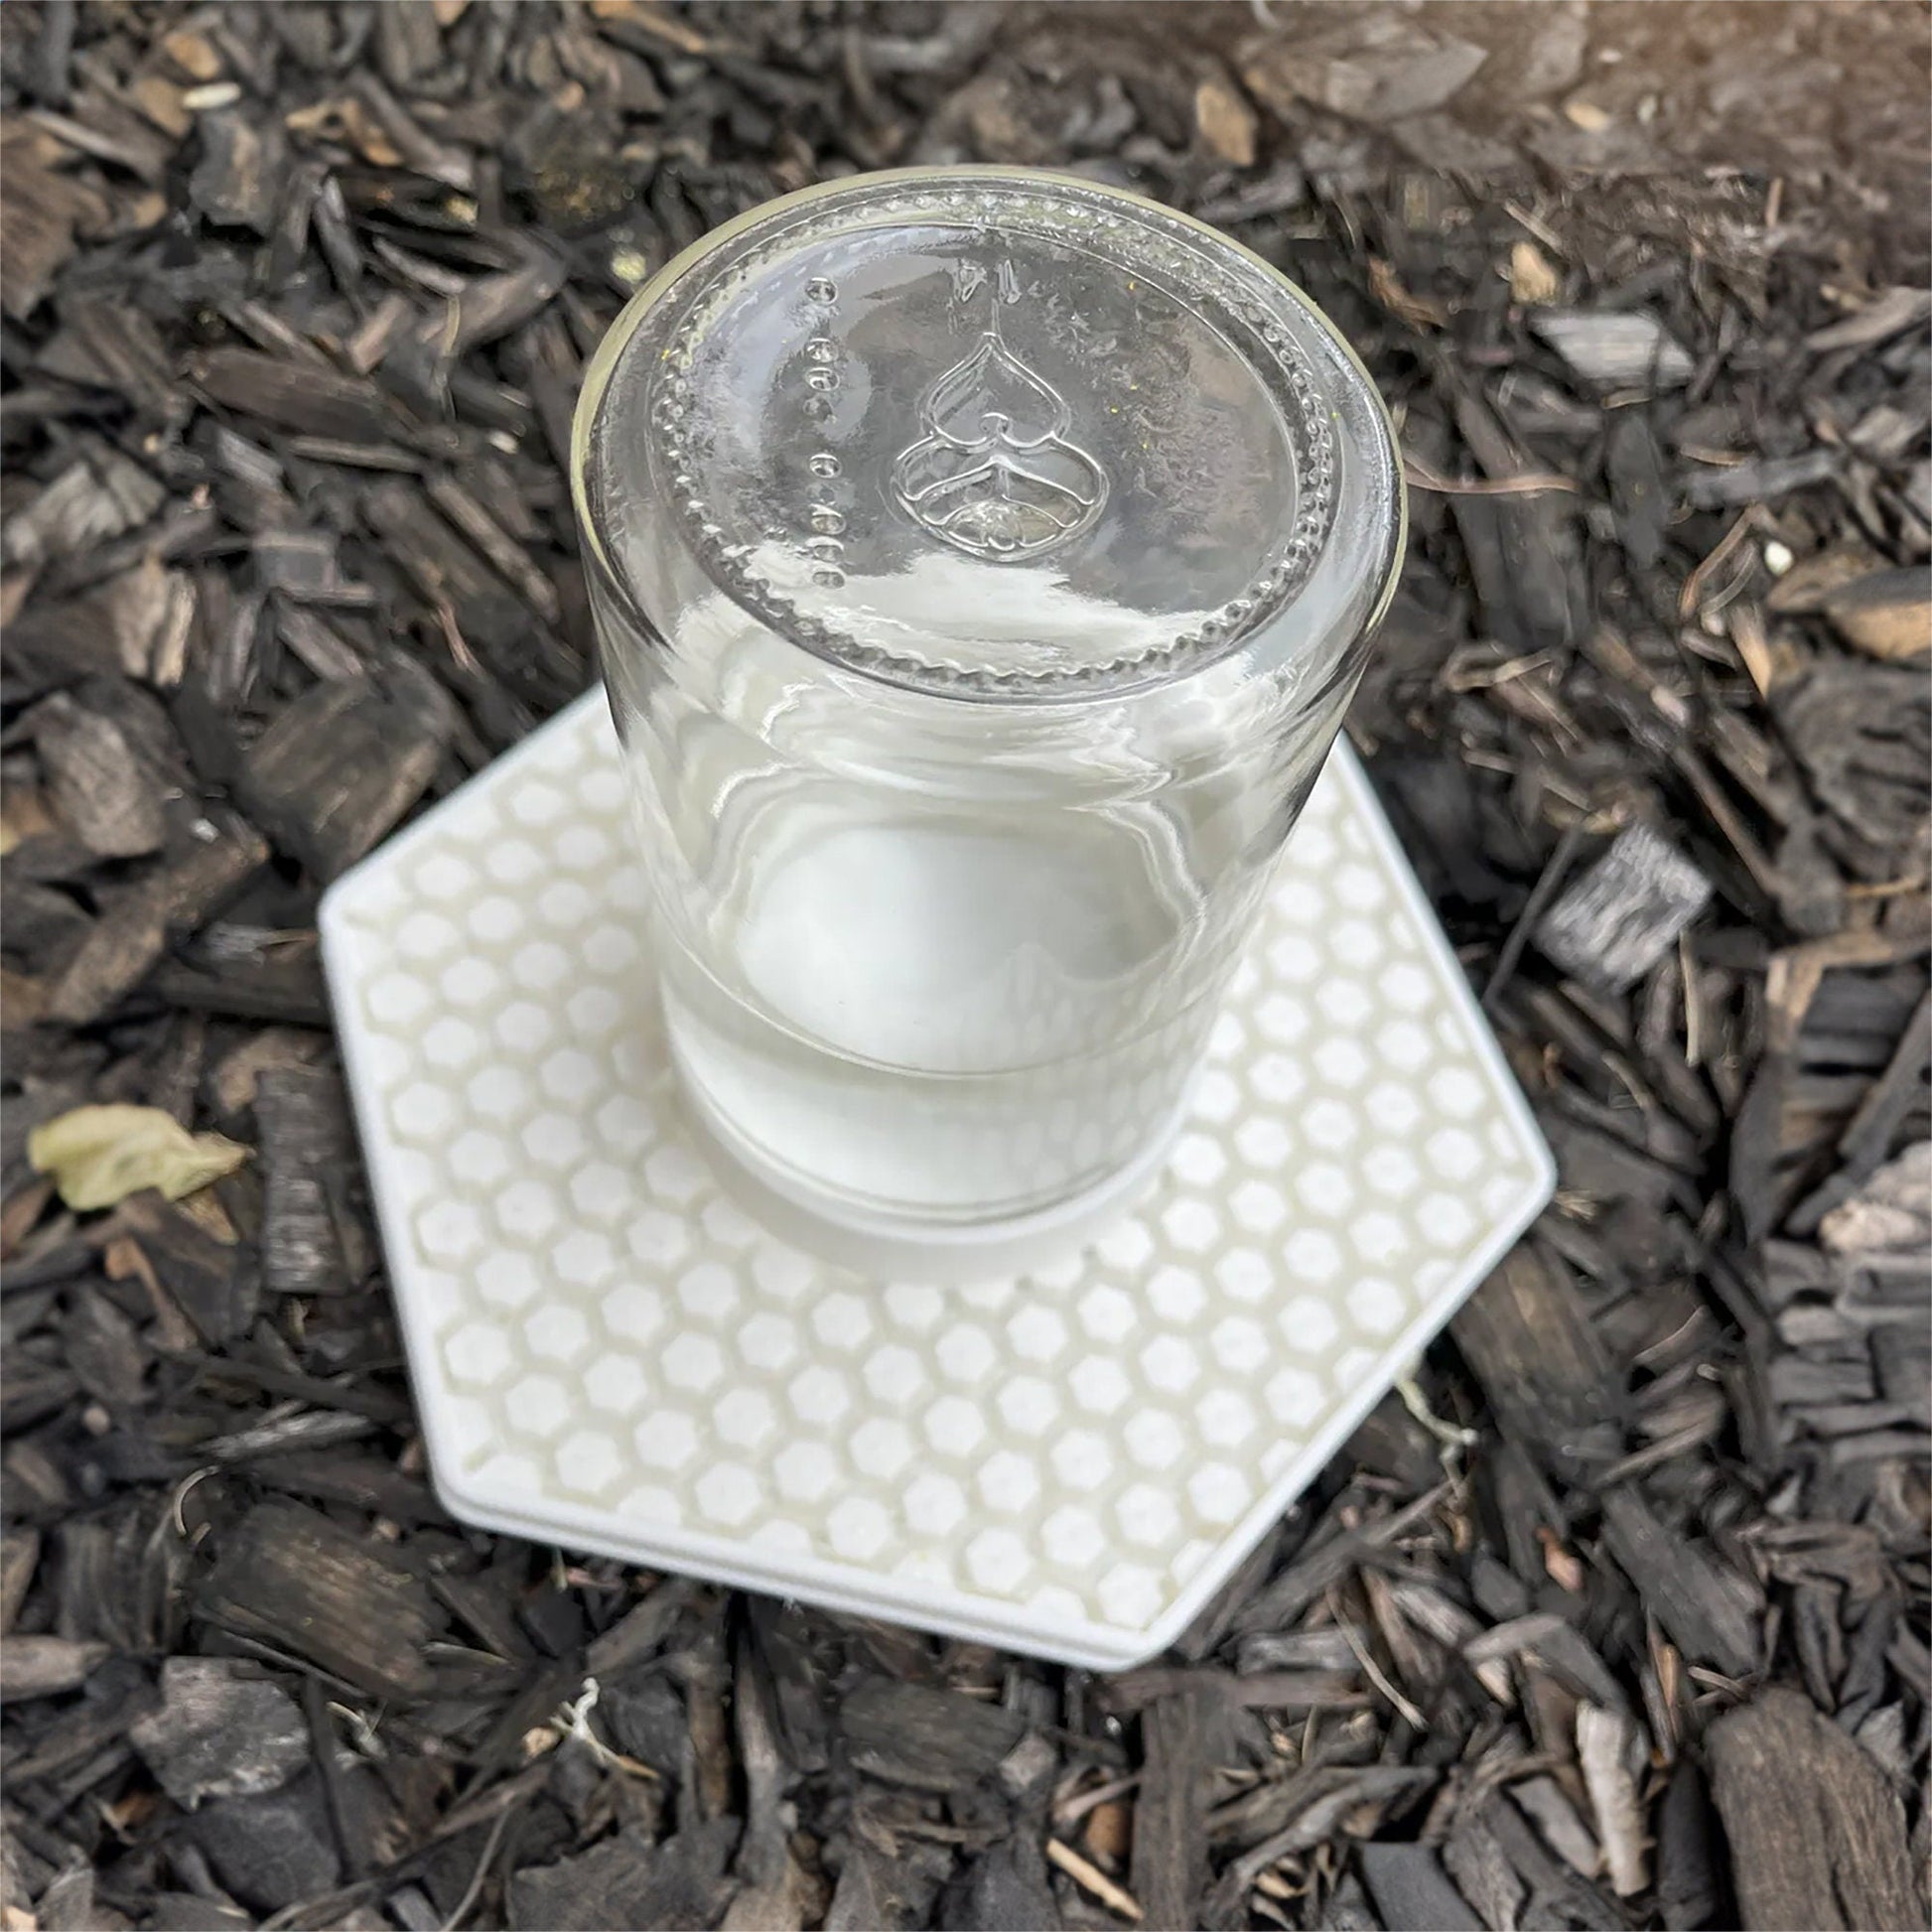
[{"x": 982, "y": 562}]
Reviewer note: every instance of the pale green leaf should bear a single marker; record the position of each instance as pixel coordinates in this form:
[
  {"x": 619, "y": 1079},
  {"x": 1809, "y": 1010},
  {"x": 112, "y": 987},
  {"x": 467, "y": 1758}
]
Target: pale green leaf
[{"x": 98, "y": 1156}]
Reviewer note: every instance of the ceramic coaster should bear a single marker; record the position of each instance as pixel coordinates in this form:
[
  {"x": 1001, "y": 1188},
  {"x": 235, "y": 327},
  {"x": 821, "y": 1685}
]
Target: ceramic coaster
[{"x": 610, "y": 1354}]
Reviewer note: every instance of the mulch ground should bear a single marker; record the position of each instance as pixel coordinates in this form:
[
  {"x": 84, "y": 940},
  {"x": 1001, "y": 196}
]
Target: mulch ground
[{"x": 1622, "y": 1620}]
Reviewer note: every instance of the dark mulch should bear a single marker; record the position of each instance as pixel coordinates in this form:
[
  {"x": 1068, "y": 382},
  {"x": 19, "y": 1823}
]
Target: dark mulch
[{"x": 295, "y": 298}]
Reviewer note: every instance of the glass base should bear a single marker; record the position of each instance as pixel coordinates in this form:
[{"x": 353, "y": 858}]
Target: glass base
[{"x": 940, "y": 1254}]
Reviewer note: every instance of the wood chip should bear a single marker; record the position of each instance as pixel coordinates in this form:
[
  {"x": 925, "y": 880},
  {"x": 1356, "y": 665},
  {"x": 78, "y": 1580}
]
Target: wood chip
[
  {"x": 1616, "y": 348},
  {"x": 142, "y": 920},
  {"x": 1089, "y": 1877},
  {"x": 222, "y": 1731},
  {"x": 338, "y": 769},
  {"x": 1621, "y": 916},
  {"x": 297, "y": 1581},
  {"x": 1888, "y": 613},
  {"x": 106, "y": 795},
  {"x": 45, "y": 1666},
  {"x": 1605, "y": 1739},
  {"x": 1817, "y": 1836}
]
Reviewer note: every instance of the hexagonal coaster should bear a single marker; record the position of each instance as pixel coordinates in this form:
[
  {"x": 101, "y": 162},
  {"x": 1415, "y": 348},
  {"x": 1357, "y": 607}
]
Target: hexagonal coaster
[{"x": 608, "y": 1353}]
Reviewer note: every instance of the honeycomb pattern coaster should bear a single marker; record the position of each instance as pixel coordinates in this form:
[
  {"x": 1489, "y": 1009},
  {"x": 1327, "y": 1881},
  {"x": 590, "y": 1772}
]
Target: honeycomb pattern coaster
[{"x": 610, "y": 1354}]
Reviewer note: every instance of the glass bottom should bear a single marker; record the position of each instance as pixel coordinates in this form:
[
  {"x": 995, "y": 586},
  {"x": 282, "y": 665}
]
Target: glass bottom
[
  {"x": 914, "y": 1018},
  {"x": 906, "y": 1249}
]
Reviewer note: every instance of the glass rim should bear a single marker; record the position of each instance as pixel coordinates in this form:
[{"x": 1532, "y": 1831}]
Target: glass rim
[{"x": 1064, "y": 689}]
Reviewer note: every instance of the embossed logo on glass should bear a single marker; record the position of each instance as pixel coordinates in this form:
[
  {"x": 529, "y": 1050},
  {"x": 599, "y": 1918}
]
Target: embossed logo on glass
[{"x": 996, "y": 473}]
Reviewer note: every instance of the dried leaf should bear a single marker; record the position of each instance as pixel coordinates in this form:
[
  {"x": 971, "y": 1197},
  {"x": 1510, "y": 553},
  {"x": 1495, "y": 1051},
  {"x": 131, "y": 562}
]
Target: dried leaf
[
  {"x": 1587, "y": 115},
  {"x": 1226, "y": 121},
  {"x": 1531, "y": 277},
  {"x": 193, "y": 54},
  {"x": 1417, "y": 311},
  {"x": 346, "y": 119},
  {"x": 22, "y": 815},
  {"x": 98, "y": 1156}
]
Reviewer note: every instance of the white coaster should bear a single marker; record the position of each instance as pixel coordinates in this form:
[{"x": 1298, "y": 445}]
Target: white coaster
[{"x": 610, "y": 1354}]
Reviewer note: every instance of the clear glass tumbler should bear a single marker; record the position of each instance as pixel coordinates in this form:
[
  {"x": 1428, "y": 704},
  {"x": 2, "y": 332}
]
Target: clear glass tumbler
[{"x": 982, "y": 562}]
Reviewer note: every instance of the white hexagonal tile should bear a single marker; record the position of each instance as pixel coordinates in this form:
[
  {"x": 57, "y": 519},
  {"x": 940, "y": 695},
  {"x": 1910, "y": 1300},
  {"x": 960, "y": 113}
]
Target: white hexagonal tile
[
  {"x": 528, "y": 1209},
  {"x": 1130, "y": 1595},
  {"x": 1258, "y": 1206},
  {"x": 1108, "y": 1313},
  {"x": 509, "y": 1278},
  {"x": 1199, "y": 1159},
  {"x": 893, "y": 1375},
  {"x": 999, "y": 1560},
  {"x": 540, "y": 967},
  {"x": 553, "y": 1142},
  {"x": 480, "y": 1159},
  {"x": 881, "y": 1447},
  {"x": 615, "y": 1382},
  {"x": 634, "y": 1311},
  {"x": 659, "y": 1238},
  {"x": 1008, "y": 1482},
  {"x": 479, "y": 1351},
  {"x": 1100, "y": 1384},
  {"x": 498, "y": 1093},
  {"x": 1146, "y": 1515},
  {"x": 589, "y": 1462},
  {"x": 1075, "y": 1536},
  {"x": 522, "y": 1027},
  {"x": 1192, "y": 1225},
  {"x": 427, "y": 937},
  {"x": 1219, "y": 1493},
  {"x": 708, "y": 1292},
  {"x": 1376, "y": 1304},
  {"x": 666, "y": 1440},
  {"x": 674, "y": 1173},
  {"x": 724, "y": 1224},
  {"x": 728, "y": 1495},
  {"x": 965, "y": 1354},
  {"x": 692, "y": 1364},
  {"x": 767, "y": 1341},
  {"x": 1126, "y": 1244},
  {"x": 559, "y": 1332},
  {"x": 610, "y": 949},
  {"x": 935, "y": 1506},
  {"x": 451, "y": 1232},
  {"x": 820, "y": 1395},
  {"x": 423, "y": 1111},
  {"x": 1295, "y": 1397},
  {"x": 1308, "y": 1323},
  {"x": 1082, "y": 1458},
  {"x": 1325, "y": 1187},
  {"x": 538, "y": 1405},
  {"x": 806, "y": 1472},
  {"x": 395, "y": 998},
  {"x": 1069, "y": 1463},
  {"x": 1038, "y": 1334},
  {"x": 1029, "y": 1404},
  {"x": 1171, "y": 1363},
  {"x": 450, "y": 1044},
  {"x": 859, "y": 1527},
  {"x": 1225, "y": 1418},
  {"x": 584, "y": 1259},
  {"x": 954, "y": 1425},
  {"x": 1178, "y": 1294},
  {"x": 1218, "y": 1096}
]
